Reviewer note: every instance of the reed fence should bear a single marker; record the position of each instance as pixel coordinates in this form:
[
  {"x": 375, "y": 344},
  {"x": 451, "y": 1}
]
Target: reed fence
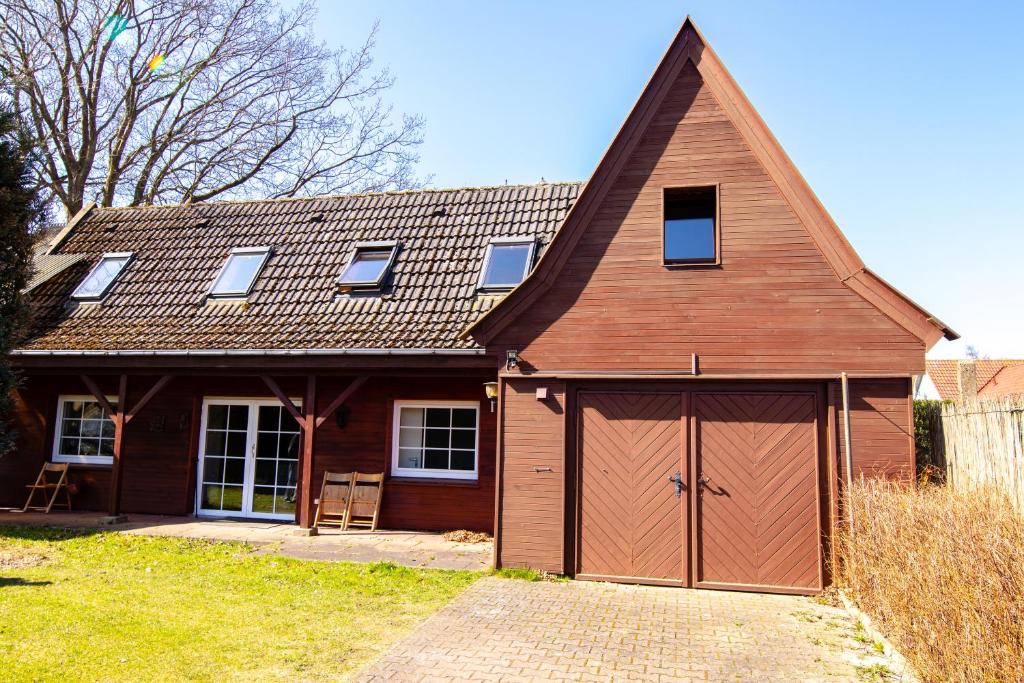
[{"x": 980, "y": 444}]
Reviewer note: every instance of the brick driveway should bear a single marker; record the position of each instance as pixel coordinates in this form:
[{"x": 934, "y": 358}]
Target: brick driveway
[{"x": 512, "y": 630}]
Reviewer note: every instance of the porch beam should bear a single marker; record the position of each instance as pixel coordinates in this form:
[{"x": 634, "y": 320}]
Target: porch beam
[
  {"x": 340, "y": 400},
  {"x": 283, "y": 398},
  {"x": 154, "y": 390},
  {"x": 101, "y": 397},
  {"x": 306, "y": 462},
  {"x": 115, "y": 471}
]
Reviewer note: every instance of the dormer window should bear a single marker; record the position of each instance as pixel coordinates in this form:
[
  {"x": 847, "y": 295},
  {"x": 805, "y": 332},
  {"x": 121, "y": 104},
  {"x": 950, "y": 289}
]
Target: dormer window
[
  {"x": 101, "y": 277},
  {"x": 238, "y": 275},
  {"x": 506, "y": 263},
  {"x": 369, "y": 266}
]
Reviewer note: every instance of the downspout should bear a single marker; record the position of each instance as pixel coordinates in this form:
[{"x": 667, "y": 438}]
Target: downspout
[{"x": 849, "y": 447}]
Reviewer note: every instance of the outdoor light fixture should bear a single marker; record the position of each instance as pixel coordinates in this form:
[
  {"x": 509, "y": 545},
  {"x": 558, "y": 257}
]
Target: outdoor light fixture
[
  {"x": 491, "y": 390},
  {"x": 511, "y": 359}
]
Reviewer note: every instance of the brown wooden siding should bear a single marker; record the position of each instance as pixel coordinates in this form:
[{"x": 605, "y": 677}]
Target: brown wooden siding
[
  {"x": 881, "y": 428},
  {"x": 773, "y": 305},
  {"x": 159, "y": 445},
  {"x": 532, "y": 478}
]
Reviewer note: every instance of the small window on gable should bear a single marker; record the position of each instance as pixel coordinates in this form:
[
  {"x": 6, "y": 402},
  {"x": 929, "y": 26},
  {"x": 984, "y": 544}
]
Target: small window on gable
[
  {"x": 369, "y": 266},
  {"x": 239, "y": 273},
  {"x": 691, "y": 225},
  {"x": 506, "y": 263},
  {"x": 101, "y": 277}
]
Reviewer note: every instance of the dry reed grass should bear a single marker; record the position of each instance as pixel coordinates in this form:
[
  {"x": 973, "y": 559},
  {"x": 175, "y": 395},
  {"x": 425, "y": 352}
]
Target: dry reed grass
[{"x": 942, "y": 573}]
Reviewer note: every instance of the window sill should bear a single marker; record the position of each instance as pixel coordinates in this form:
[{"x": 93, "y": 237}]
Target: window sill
[
  {"x": 105, "y": 463},
  {"x": 434, "y": 481}
]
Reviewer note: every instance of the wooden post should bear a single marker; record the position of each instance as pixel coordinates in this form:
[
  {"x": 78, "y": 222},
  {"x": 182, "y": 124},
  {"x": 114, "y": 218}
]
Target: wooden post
[
  {"x": 114, "y": 506},
  {"x": 306, "y": 458}
]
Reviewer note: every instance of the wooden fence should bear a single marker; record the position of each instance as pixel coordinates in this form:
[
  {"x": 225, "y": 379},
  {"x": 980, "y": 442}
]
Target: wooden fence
[{"x": 981, "y": 443}]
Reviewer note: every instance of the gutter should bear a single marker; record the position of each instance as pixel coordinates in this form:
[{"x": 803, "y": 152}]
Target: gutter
[{"x": 244, "y": 352}]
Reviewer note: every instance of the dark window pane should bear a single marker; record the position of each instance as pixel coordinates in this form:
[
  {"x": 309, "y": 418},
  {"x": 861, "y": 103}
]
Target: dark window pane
[
  {"x": 236, "y": 445},
  {"x": 73, "y": 409},
  {"x": 70, "y": 428},
  {"x": 690, "y": 224},
  {"x": 214, "y": 443},
  {"x": 464, "y": 438},
  {"x": 89, "y": 446},
  {"x": 506, "y": 265},
  {"x": 263, "y": 499},
  {"x": 107, "y": 447},
  {"x": 91, "y": 427},
  {"x": 266, "y": 471},
  {"x": 238, "y": 418},
  {"x": 439, "y": 417},
  {"x": 288, "y": 423},
  {"x": 284, "y": 501},
  {"x": 436, "y": 460},
  {"x": 234, "y": 470},
  {"x": 211, "y": 497},
  {"x": 92, "y": 411},
  {"x": 232, "y": 498},
  {"x": 266, "y": 445},
  {"x": 108, "y": 429},
  {"x": 437, "y": 438},
  {"x": 463, "y": 417},
  {"x": 213, "y": 469},
  {"x": 287, "y": 473},
  {"x": 217, "y": 417},
  {"x": 69, "y": 446},
  {"x": 288, "y": 447},
  {"x": 462, "y": 460},
  {"x": 269, "y": 418}
]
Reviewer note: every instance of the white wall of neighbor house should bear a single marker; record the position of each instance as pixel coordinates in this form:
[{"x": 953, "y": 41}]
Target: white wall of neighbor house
[{"x": 924, "y": 388}]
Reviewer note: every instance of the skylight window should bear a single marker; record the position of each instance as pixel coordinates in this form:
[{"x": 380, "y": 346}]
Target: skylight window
[
  {"x": 369, "y": 265},
  {"x": 102, "y": 276},
  {"x": 239, "y": 273},
  {"x": 506, "y": 263}
]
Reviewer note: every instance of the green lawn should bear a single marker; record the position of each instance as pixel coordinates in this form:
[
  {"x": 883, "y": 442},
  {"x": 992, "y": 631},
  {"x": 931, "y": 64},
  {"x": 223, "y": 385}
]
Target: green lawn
[{"x": 111, "y": 607}]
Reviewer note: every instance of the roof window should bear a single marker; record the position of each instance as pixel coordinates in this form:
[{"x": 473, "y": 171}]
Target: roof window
[
  {"x": 369, "y": 266},
  {"x": 102, "y": 276},
  {"x": 239, "y": 273},
  {"x": 506, "y": 263}
]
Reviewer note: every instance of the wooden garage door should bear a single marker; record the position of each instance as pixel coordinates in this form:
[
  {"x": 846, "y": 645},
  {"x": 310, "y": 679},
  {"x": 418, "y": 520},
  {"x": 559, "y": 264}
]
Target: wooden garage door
[
  {"x": 632, "y": 523},
  {"x": 757, "y": 519}
]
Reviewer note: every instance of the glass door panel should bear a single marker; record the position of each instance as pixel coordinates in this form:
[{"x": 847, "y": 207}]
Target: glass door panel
[
  {"x": 225, "y": 445},
  {"x": 275, "y": 470}
]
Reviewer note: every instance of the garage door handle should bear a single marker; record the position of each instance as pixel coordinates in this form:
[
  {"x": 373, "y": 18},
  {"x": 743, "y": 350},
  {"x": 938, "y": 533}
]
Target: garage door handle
[{"x": 678, "y": 479}]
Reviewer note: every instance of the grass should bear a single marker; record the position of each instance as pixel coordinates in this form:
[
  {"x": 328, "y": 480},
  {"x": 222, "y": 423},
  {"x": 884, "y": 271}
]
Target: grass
[
  {"x": 525, "y": 574},
  {"x": 941, "y": 573},
  {"x": 109, "y": 606}
]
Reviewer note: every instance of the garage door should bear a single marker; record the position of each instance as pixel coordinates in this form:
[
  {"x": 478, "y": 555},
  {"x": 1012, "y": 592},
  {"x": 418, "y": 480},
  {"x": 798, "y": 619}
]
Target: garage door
[
  {"x": 757, "y": 520},
  {"x": 755, "y": 507},
  {"x": 632, "y": 522}
]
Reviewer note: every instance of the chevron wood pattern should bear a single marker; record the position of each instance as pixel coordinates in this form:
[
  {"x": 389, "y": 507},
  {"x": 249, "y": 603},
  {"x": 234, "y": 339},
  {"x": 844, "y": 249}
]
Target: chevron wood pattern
[
  {"x": 757, "y": 516},
  {"x": 631, "y": 522}
]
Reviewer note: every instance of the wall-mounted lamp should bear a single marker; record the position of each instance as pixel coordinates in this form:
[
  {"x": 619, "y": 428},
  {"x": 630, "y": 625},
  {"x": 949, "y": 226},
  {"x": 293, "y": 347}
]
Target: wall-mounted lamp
[
  {"x": 491, "y": 390},
  {"x": 511, "y": 359}
]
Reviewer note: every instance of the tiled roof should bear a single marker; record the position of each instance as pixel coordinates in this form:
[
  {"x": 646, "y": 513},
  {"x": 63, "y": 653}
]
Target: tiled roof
[
  {"x": 1009, "y": 381},
  {"x": 46, "y": 266},
  {"x": 944, "y": 374},
  {"x": 160, "y": 300}
]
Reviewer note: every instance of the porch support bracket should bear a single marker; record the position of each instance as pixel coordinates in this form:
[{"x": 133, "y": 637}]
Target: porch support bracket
[
  {"x": 285, "y": 401},
  {"x": 340, "y": 400}
]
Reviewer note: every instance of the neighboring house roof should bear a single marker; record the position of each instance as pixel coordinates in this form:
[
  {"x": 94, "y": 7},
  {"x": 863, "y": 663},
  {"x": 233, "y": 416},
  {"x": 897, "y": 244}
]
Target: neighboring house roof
[
  {"x": 689, "y": 46},
  {"x": 160, "y": 302},
  {"x": 46, "y": 266},
  {"x": 991, "y": 380}
]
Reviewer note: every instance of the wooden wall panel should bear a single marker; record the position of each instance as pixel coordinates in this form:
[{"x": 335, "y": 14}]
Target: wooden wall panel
[
  {"x": 773, "y": 306},
  {"x": 531, "y": 507},
  {"x": 881, "y": 428}
]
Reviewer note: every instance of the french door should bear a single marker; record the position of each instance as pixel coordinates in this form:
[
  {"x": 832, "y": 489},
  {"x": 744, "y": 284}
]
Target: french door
[{"x": 249, "y": 459}]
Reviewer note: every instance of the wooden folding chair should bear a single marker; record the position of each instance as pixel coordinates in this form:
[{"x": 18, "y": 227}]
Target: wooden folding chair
[
  {"x": 364, "y": 507},
  {"x": 332, "y": 505},
  {"x": 49, "y": 489}
]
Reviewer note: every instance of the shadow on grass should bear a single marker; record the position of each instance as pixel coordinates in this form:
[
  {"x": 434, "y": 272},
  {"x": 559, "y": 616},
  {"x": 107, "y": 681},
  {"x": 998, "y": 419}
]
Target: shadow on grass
[
  {"x": 48, "y": 533},
  {"x": 6, "y": 581}
]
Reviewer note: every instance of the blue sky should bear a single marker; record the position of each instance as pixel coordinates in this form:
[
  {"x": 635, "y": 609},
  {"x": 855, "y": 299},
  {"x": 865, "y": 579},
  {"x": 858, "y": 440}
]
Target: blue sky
[{"x": 906, "y": 118}]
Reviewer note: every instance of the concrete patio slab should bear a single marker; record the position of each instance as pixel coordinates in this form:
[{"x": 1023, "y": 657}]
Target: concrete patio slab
[{"x": 409, "y": 548}]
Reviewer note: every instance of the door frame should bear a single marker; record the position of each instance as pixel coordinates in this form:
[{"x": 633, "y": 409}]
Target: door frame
[
  {"x": 254, "y": 404},
  {"x": 825, "y": 469},
  {"x": 686, "y": 522}
]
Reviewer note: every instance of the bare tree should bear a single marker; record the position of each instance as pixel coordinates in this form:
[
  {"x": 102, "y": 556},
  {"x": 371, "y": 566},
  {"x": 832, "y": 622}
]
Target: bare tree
[{"x": 245, "y": 102}]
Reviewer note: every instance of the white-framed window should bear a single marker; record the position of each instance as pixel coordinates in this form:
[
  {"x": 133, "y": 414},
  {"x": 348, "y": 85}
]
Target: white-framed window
[
  {"x": 99, "y": 280},
  {"x": 239, "y": 272},
  {"x": 436, "y": 439},
  {"x": 84, "y": 432},
  {"x": 506, "y": 263},
  {"x": 369, "y": 265}
]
